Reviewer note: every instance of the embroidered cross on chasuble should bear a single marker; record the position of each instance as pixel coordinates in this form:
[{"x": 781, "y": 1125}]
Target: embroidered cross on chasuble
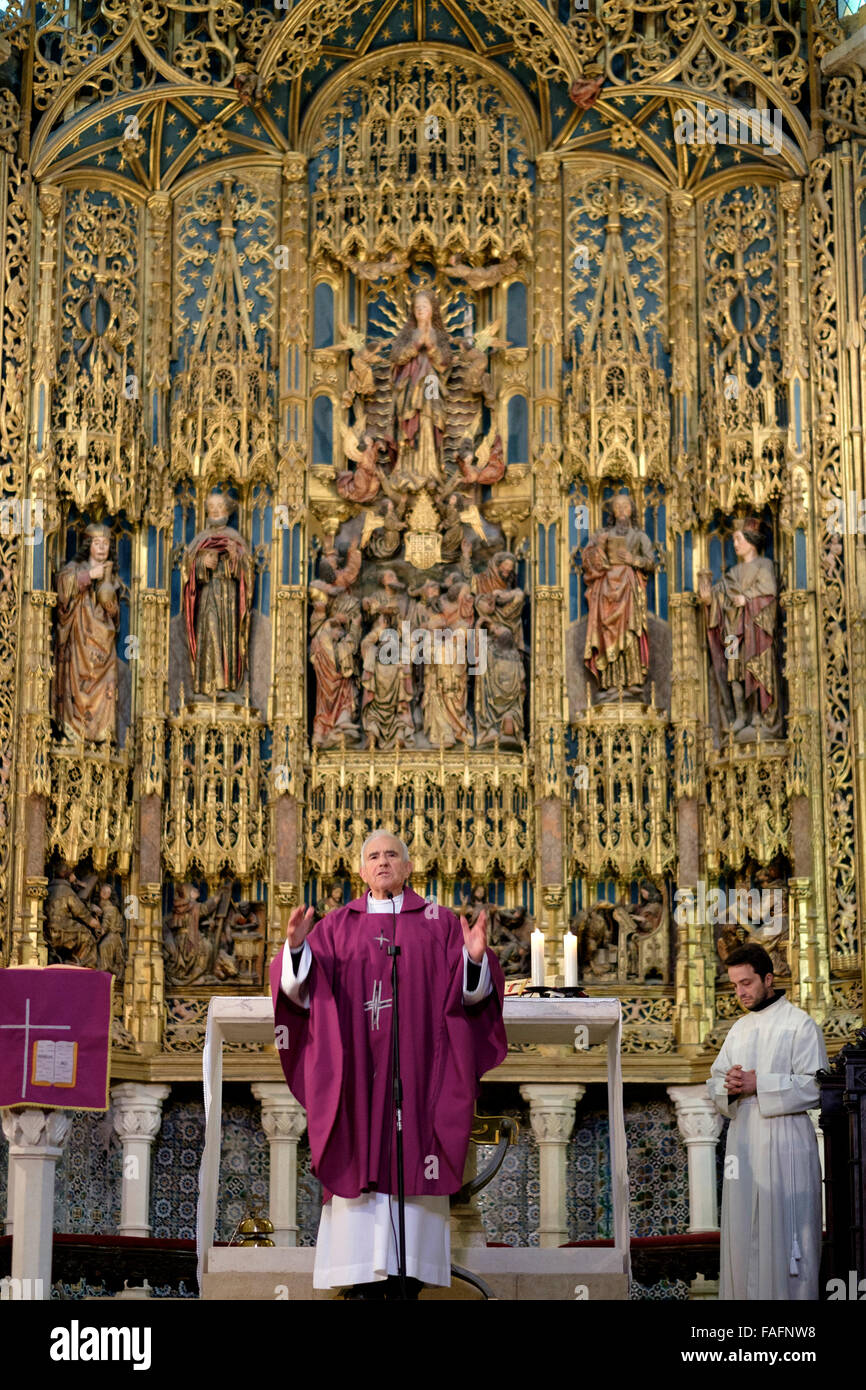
[{"x": 377, "y": 1004}]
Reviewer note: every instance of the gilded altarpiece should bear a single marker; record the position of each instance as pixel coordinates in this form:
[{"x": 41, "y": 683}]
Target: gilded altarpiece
[{"x": 409, "y": 419}]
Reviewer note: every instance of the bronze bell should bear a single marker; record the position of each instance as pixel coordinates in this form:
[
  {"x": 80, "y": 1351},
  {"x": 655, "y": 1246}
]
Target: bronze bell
[
  {"x": 247, "y": 1230},
  {"x": 255, "y": 1229},
  {"x": 264, "y": 1229}
]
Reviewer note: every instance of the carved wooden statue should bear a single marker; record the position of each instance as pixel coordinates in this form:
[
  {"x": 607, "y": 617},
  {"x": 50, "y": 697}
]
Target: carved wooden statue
[
  {"x": 420, "y": 362},
  {"x": 742, "y": 620},
  {"x": 333, "y": 659},
  {"x": 386, "y": 710},
  {"x": 71, "y": 928},
  {"x": 500, "y": 681},
  {"x": 88, "y": 612},
  {"x": 188, "y": 949},
  {"x": 616, "y": 562},
  {"x": 444, "y": 702},
  {"x": 111, "y": 948},
  {"x": 217, "y": 602}
]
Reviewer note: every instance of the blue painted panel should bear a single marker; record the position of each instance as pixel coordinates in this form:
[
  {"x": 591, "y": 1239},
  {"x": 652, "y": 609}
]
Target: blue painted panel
[
  {"x": 518, "y": 430},
  {"x": 152, "y": 557},
  {"x": 323, "y": 316},
  {"x": 801, "y": 580},
  {"x": 323, "y": 430},
  {"x": 515, "y": 330}
]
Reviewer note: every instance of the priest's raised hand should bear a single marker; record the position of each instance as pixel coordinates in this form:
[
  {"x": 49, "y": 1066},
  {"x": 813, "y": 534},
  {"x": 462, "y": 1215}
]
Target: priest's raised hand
[
  {"x": 475, "y": 938},
  {"x": 300, "y": 924},
  {"x": 333, "y": 991}
]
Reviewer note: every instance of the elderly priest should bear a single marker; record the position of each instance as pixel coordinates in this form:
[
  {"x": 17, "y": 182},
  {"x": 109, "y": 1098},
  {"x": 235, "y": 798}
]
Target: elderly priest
[
  {"x": 764, "y": 1080},
  {"x": 333, "y": 1012}
]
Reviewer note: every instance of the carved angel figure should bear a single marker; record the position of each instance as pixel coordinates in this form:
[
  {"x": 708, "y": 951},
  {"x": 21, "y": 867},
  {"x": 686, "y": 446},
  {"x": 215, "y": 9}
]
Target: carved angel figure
[
  {"x": 361, "y": 381},
  {"x": 395, "y": 264},
  {"x": 361, "y": 484},
  {"x": 481, "y": 277}
]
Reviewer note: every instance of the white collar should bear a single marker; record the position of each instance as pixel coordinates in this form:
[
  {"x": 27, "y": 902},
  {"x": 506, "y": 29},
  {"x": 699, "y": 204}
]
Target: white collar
[{"x": 385, "y": 904}]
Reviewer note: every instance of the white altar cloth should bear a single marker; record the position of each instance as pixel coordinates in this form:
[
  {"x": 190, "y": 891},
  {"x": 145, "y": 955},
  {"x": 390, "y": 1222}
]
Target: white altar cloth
[{"x": 250, "y": 1018}]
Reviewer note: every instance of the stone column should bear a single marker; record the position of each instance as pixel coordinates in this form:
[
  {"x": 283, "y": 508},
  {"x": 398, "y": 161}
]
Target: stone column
[
  {"x": 551, "y": 1111},
  {"x": 10, "y": 1196},
  {"x": 36, "y": 1139},
  {"x": 137, "y": 1113},
  {"x": 284, "y": 1121},
  {"x": 700, "y": 1125}
]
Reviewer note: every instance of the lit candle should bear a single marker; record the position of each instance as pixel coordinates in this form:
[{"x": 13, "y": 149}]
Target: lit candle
[
  {"x": 537, "y": 957},
  {"x": 570, "y": 958}
]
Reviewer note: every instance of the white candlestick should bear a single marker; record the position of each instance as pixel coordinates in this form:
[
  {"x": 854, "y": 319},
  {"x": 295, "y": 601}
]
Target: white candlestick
[
  {"x": 570, "y": 958},
  {"x": 537, "y": 956}
]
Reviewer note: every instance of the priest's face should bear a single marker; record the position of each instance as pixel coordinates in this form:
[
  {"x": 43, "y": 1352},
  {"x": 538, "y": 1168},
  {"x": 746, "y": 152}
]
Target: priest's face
[
  {"x": 750, "y": 987},
  {"x": 384, "y": 870}
]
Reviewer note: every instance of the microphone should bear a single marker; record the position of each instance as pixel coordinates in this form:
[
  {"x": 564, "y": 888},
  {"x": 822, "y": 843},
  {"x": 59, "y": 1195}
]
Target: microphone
[{"x": 397, "y": 1092}]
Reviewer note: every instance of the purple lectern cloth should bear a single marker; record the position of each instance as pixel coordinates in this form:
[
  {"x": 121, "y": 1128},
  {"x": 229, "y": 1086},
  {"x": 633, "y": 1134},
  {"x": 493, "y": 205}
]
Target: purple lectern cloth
[
  {"x": 337, "y": 1055},
  {"x": 64, "y": 1006}
]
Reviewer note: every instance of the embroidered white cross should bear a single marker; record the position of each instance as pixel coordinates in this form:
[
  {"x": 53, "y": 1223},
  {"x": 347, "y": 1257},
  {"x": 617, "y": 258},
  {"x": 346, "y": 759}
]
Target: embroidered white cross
[
  {"x": 26, "y": 1028},
  {"x": 377, "y": 1004}
]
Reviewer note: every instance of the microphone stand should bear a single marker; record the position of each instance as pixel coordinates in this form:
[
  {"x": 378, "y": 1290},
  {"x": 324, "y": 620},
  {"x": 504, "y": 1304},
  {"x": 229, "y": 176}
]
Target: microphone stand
[{"x": 397, "y": 1091}]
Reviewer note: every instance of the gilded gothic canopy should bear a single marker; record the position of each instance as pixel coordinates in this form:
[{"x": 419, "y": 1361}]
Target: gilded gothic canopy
[{"x": 354, "y": 314}]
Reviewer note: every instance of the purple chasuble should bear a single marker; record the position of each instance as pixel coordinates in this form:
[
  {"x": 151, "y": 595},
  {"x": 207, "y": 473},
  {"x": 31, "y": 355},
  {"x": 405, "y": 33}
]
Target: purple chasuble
[{"x": 338, "y": 1059}]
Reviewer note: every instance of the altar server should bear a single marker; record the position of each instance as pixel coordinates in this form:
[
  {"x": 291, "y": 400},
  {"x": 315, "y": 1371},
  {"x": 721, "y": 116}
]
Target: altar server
[
  {"x": 333, "y": 1011},
  {"x": 764, "y": 1081}
]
